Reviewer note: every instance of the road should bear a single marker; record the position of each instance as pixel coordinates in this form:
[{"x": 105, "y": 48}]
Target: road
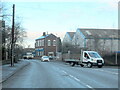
[{"x": 60, "y": 75}]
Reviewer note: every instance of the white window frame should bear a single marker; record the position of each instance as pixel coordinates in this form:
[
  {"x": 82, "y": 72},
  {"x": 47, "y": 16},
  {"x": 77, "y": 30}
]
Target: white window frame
[
  {"x": 49, "y": 42},
  {"x": 42, "y": 42},
  {"x": 54, "y": 42}
]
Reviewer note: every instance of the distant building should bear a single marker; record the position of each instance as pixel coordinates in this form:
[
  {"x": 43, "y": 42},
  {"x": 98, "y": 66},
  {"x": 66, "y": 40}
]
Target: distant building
[
  {"x": 101, "y": 40},
  {"x": 29, "y": 50},
  {"x": 46, "y": 45},
  {"x": 68, "y": 38}
]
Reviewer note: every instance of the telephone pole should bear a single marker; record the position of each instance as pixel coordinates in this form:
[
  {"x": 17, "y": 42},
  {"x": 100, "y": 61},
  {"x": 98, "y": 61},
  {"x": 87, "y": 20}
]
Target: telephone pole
[{"x": 12, "y": 45}]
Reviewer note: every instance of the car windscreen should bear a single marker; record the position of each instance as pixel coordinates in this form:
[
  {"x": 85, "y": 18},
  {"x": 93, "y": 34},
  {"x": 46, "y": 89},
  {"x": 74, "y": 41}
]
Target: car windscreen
[
  {"x": 94, "y": 55},
  {"x": 45, "y": 57}
]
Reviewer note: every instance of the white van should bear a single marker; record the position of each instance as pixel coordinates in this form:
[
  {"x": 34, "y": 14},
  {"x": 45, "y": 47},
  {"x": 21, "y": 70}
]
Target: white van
[
  {"x": 92, "y": 58},
  {"x": 89, "y": 58}
]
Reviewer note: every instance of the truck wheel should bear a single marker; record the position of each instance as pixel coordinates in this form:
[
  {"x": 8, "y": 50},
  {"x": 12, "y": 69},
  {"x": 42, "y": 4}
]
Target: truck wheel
[
  {"x": 99, "y": 66},
  {"x": 89, "y": 65},
  {"x": 72, "y": 64},
  {"x": 81, "y": 65},
  {"x": 69, "y": 62}
]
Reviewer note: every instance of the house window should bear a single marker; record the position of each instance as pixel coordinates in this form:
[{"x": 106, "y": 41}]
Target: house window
[
  {"x": 39, "y": 42},
  {"x": 54, "y": 42},
  {"x": 49, "y": 43},
  {"x": 41, "y": 53},
  {"x": 36, "y": 43},
  {"x": 37, "y": 53},
  {"x": 42, "y": 43}
]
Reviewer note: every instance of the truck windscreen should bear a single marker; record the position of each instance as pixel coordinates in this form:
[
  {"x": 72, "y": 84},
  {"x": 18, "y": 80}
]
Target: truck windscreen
[{"x": 94, "y": 55}]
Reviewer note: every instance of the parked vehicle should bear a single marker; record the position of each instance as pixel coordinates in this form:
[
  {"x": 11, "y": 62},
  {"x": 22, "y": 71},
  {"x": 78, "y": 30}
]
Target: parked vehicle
[
  {"x": 45, "y": 58},
  {"x": 51, "y": 57},
  {"x": 28, "y": 56},
  {"x": 89, "y": 58}
]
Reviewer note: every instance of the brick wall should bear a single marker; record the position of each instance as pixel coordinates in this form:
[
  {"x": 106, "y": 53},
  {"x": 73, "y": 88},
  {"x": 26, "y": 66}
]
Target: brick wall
[
  {"x": 50, "y": 48},
  {"x": 47, "y": 48}
]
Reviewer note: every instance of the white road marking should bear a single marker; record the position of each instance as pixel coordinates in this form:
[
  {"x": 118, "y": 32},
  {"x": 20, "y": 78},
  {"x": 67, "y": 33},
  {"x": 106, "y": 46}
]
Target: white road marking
[
  {"x": 81, "y": 82},
  {"x": 71, "y": 76},
  {"x": 64, "y": 72},
  {"x": 88, "y": 86},
  {"x": 78, "y": 80}
]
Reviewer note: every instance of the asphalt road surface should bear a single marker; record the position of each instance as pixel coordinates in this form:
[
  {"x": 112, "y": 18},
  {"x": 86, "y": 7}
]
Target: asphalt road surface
[{"x": 60, "y": 75}]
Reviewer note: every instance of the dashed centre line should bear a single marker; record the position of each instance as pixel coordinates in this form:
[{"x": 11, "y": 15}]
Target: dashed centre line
[
  {"x": 64, "y": 72},
  {"x": 88, "y": 86},
  {"x": 78, "y": 80}
]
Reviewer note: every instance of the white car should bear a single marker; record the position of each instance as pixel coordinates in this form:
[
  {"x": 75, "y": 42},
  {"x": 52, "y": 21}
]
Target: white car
[{"x": 45, "y": 58}]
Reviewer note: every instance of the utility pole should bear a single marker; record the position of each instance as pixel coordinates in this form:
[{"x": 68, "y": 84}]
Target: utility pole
[{"x": 12, "y": 45}]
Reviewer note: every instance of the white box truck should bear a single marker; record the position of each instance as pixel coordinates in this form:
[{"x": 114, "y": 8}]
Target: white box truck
[
  {"x": 88, "y": 58},
  {"x": 28, "y": 56}
]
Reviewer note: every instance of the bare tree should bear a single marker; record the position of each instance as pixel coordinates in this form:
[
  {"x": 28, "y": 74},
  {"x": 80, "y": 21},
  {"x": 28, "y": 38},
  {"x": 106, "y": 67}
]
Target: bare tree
[
  {"x": 72, "y": 48},
  {"x": 19, "y": 32}
]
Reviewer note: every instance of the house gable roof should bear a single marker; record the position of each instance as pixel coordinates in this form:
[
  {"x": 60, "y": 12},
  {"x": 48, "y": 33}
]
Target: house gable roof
[
  {"x": 100, "y": 33},
  {"x": 51, "y": 35},
  {"x": 71, "y": 34},
  {"x": 42, "y": 37}
]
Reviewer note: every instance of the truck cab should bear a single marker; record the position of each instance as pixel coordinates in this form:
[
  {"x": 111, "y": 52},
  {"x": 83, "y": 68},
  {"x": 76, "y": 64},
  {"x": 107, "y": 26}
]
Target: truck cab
[{"x": 92, "y": 58}]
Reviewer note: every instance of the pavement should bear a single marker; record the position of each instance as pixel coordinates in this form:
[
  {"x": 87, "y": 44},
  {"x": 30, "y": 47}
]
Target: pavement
[{"x": 7, "y": 71}]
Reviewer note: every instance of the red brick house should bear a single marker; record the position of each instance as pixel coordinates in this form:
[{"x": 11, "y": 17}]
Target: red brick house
[{"x": 46, "y": 45}]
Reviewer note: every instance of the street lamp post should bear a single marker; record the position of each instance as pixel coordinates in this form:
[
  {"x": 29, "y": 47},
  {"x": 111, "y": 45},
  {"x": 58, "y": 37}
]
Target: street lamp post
[{"x": 12, "y": 45}]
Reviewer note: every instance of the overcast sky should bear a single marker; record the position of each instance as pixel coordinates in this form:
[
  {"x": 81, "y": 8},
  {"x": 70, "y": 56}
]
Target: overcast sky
[{"x": 61, "y": 16}]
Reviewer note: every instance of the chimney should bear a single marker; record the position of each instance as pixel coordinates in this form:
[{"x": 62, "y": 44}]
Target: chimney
[{"x": 44, "y": 34}]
